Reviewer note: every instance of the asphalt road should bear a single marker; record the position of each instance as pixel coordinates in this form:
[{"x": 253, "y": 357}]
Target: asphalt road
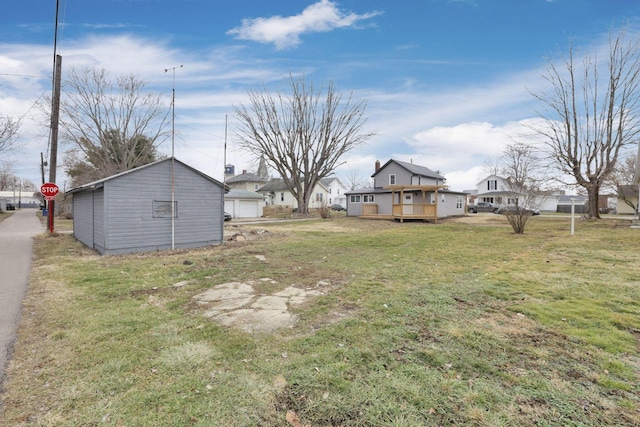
[{"x": 16, "y": 250}]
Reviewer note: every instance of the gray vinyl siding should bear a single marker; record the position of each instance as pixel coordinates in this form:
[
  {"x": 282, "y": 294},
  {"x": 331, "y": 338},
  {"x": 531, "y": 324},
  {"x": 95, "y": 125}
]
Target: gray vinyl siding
[
  {"x": 385, "y": 205},
  {"x": 98, "y": 220},
  {"x": 403, "y": 176},
  {"x": 449, "y": 207},
  {"x": 132, "y": 226},
  {"x": 83, "y": 218},
  {"x": 117, "y": 216}
]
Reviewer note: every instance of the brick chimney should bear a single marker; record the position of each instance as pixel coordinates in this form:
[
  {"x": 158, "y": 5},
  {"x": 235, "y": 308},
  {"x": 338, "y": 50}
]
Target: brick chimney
[{"x": 377, "y": 165}]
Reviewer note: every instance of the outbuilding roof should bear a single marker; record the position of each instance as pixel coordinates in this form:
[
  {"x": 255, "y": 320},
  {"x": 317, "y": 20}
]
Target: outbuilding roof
[{"x": 100, "y": 183}]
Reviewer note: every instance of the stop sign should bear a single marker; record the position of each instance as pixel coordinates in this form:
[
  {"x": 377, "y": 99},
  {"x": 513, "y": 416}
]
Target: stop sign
[{"x": 49, "y": 190}]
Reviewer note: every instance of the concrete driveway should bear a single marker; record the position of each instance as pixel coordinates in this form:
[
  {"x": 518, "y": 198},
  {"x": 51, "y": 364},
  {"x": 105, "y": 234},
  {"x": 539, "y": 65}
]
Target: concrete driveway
[{"x": 16, "y": 250}]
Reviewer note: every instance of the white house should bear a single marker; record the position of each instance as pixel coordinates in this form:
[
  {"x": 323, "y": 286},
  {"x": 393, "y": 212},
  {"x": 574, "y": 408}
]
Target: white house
[
  {"x": 276, "y": 193},
  {"x": 336, "y": 191},
  {"x": 496, "y": 189}
]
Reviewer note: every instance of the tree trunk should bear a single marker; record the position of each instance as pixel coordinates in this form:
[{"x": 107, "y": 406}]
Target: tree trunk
[
  {"x": 303, "y": 205},
  {"x": 593, "y": 192}
]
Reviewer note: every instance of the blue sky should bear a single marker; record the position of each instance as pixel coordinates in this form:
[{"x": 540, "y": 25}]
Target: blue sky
[{"x": 446, "y": 81}]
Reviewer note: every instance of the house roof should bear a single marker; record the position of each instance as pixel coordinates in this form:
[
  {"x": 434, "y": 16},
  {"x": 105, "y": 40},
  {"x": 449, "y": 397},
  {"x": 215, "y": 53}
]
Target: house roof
[
  {"x": 100, "y": 183},
  {"x": 385, "y": 190},
  {"x": 242, "y": 194},
  {"x": 327, "y": 181},
  {"x": 629, "y": 190},
  {"x": 414, "y": 169},
  {"x": 246, "y": 177},
  {"x": 277, "y": 184},
  {"x": 490, "y": 176}
]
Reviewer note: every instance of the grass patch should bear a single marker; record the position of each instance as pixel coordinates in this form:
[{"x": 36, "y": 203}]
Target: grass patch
[{"x": 422, "y": 324}]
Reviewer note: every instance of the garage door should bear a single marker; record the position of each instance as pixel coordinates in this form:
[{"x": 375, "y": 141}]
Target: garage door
[{"x": 248, "y": 209}]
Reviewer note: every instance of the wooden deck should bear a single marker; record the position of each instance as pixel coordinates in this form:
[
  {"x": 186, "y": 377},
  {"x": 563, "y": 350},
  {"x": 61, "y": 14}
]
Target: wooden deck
[
  {"x": 416, "y": 211},
  {"x": 422, "y": 211}
]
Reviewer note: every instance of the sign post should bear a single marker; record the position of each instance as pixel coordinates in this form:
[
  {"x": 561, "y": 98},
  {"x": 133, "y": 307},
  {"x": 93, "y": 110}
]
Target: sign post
[{"x": 50, "y": 190}]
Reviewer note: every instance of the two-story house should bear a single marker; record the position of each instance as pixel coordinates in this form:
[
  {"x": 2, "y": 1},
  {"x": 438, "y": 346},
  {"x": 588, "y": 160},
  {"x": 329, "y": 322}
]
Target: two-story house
[
  {"x": 336, "y": 191},
  {"x": 402, "y": 191}
]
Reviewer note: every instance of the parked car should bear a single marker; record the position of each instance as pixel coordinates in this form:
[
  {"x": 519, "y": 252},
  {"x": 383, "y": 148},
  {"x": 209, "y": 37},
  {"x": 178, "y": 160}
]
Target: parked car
[
  {"x": 227, "y": 216},
  {"x": 483, "y": 207},
  {"x": 338, "y": 208},
  {"x": 513, "y": 210}
]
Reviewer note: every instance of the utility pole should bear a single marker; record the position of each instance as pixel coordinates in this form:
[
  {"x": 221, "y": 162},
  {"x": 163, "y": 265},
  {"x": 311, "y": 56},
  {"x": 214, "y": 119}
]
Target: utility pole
[
  {"x": 55, "y": 119},
  {"x": 173, "y": 157}
]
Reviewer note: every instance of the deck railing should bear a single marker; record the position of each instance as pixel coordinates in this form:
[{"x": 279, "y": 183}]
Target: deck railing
[{"x": 416, "y": 210}]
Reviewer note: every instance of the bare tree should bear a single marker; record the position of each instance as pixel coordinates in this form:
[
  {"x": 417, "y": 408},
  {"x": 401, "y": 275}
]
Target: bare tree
[
  {"x": 591, "y": 113},
  {"x": 354, "y": 180},
  {"x": 111, "y": 126},
  {"x": 7, "y": 178},
  {"x": 8, "y": 130},
  {"x": 302, "y": 135},
  {"x": 520, "y": 166}
]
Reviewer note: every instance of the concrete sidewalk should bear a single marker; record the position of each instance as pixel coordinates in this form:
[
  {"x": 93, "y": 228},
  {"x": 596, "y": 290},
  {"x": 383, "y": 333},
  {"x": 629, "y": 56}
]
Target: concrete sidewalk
[{"x": 16, "y": 251}]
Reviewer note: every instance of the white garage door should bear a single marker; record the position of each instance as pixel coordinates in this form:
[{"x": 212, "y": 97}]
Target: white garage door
[{"x": 248, "y": 209}]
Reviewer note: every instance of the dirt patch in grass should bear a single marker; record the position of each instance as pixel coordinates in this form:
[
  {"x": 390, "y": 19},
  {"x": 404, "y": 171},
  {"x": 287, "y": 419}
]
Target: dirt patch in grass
[{"x": 238, "y": 305}]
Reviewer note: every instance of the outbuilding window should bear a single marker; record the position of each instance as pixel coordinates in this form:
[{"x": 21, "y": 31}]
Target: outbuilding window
[
  {"x": 162, "y": 209},
  {"x": 355, "y": 198},
  {"x": 369, "y": 198}
]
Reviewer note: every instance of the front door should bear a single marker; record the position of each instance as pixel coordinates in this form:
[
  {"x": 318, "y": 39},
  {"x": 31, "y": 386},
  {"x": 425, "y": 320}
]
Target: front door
[{"x": 407, "y": 202}]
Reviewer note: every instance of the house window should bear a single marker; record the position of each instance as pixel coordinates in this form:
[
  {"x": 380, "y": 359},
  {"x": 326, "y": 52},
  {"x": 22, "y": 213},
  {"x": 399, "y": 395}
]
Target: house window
[
  {"x": 330, "y": 191},
  {"x": 282, "y": 197},
  {"x": 318, "y": 197},
  {"x": 392, "y": 179},
  {"x": 459, "y": 202},
  {"x": 255, "y": 187},
  {"x": 492, "y": 184},
  {"x": 369, "y": 198},
  {"x": 442, "y": 199},
  {"x": 355, "y": 198},
  {"x": 162, "y": 209}
]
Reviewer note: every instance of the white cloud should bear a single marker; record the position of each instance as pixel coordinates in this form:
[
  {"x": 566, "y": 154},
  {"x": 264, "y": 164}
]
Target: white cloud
[{"x": 284, "y": 32}]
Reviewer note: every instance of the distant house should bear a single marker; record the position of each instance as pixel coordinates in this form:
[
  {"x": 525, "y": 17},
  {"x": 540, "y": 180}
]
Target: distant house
[
  {"x": 132, "y": 211},
  {"x": 276, "y": 193},
  {"x": 21, "y": 199},
  {"x": 246, "y": 180},
  {"x": 495, "y": 189},
  {"x": 630, "y": 194},
  {"x": 405, "y": 191},
  {"x": 336, "y": 190},
  {"x": 243, "y": 204}
]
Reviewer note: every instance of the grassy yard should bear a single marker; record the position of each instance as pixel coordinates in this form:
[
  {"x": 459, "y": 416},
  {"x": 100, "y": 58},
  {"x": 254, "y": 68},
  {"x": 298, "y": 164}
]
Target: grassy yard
[{"x": 420, "y": 324}]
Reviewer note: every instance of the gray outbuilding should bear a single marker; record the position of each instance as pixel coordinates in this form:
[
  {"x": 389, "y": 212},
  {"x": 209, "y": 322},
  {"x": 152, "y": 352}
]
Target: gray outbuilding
[{"x": 132, "y": 211}]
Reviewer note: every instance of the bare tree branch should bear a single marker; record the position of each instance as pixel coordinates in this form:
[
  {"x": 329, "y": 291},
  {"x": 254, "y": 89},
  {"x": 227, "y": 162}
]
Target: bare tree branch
[
  {"x": 302, "y": 135},
  {"x": 592, "y": 113},
  {"x": 111, "y": 126},
  {"x": 8, "y": 131}
]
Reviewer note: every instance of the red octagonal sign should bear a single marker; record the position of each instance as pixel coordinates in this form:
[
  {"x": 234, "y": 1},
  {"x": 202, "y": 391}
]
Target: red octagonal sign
[{"x": 49, "y": 190}]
